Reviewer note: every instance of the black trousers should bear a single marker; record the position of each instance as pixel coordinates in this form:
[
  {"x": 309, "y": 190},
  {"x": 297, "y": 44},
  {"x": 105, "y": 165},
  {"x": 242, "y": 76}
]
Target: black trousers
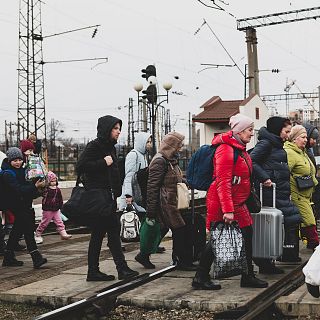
[
  {"x": 110, "y": 226},
  {"x": 206, "y": 259},
  {"x": 184, "y": 242},
  {"x": 23, "y": 225},
  {"x": 2, "y": 235}
]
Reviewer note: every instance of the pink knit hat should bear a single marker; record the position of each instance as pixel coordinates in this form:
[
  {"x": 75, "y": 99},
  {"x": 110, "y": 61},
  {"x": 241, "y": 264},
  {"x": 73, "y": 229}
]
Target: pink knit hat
[
  {"x": 240, "y": 122},
  {"x": 51, "y": 176}
]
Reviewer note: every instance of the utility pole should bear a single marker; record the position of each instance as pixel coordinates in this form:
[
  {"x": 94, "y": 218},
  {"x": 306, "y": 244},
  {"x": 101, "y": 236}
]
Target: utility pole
[
  {"x": 250, "y": 24},
  {"x": 253, "y": 69},
  {"x": 130, "y": 124}
]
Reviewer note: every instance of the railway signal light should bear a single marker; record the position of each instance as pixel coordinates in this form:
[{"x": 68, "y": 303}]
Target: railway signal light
[
  {"x": 151, "y": 94},
  {"x": 275, "y": 70},
  {"x": 149, "y": 71}
]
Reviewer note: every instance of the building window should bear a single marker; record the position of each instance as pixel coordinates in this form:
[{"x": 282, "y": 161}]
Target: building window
[{"x": 257, "y": 113}]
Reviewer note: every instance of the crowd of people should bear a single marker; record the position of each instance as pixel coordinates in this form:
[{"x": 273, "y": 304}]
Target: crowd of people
[{"x": 283, "y": 156}]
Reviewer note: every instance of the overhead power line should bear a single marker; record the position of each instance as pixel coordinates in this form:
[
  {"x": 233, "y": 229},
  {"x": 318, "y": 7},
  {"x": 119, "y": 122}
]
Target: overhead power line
[{"x": 224, "y": 48}]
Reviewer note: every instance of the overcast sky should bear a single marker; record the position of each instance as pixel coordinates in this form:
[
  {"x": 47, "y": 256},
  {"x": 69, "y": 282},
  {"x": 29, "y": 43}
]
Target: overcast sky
[{"x": 134, "y": 34}]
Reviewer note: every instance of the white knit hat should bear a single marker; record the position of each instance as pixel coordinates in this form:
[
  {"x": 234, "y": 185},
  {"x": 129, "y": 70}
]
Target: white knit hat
[{"x": 240, "y": 122}]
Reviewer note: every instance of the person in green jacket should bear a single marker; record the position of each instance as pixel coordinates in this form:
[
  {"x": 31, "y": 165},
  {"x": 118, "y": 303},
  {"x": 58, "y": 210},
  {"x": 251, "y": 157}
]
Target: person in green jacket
[{"x": 300, "y": 165}]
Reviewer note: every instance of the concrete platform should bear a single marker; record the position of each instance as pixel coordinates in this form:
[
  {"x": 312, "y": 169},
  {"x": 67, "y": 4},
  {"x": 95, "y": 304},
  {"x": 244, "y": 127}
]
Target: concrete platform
[
  {"x": 299, "y": 304},
  {"x": 63, "y": 280}
]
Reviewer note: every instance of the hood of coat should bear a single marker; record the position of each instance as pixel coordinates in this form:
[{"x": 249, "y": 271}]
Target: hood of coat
[
  {"x": 312, "y": 132},
  {"x": 140, "y": 141},
  {"x": 264, "y": 134},
  {"x": 293, "y": 146},
  {"x": 6, "y": 166},
  {"x": 228, "y": 139},
  {"x": 170, "y": 145},
  {"x": 104, "y": 127}
]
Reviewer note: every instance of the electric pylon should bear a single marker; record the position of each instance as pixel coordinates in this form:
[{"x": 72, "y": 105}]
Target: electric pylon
[{"x": 31, "y": 102}]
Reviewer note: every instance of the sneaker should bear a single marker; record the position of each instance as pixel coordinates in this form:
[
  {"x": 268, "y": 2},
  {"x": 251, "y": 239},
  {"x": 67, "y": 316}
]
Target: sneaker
[{"x": 38, "y": 239}]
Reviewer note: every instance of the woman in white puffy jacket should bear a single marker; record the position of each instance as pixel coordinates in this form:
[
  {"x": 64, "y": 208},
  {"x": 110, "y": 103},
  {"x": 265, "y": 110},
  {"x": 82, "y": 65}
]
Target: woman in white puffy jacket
[{"x": 136, "y": 159}]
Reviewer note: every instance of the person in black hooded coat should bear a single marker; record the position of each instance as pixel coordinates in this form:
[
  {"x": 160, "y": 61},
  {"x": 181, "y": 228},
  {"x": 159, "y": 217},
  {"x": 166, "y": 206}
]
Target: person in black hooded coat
[
  {"x": 312, "y": 137},
  {"x": 270, "y": 165},
  {"x": 98, "y": 169}
]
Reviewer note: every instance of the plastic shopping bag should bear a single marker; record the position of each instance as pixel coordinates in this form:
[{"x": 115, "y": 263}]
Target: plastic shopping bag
[
  {"x": 150, "y": 236},
  {"x": 228, "y": 250},
  {"x": 35, "y": 168},
  {"x": 312, "y": 268}
]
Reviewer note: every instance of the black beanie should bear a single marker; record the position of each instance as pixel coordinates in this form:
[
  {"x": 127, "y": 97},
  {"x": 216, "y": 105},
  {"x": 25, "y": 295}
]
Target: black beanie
[{"x": 275, "y": 124}]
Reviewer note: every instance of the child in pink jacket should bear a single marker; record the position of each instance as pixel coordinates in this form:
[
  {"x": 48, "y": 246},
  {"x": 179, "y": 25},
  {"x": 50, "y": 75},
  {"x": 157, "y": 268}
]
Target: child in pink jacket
[{"x": 51, "y": 205}]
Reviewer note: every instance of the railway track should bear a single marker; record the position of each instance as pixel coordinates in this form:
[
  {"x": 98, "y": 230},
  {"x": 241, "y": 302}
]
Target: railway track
[
  {"x": 262, "y": 306},
  {"x": 103, "y": 301}
]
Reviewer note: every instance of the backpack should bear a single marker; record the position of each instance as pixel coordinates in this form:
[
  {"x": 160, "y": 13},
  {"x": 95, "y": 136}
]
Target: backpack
[
  {"x": 200, "y": 168},
  {"x": 121, "y": 166},
  {"x": 130, "y": 226},
  {"x": 3, "y": 197},
  {"x": 139, "y": 184}
]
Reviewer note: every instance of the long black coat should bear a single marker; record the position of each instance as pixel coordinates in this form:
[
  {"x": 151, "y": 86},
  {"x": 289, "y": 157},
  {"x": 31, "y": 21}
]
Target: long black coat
[
  {"x": 269, "y": 161},
  {"x": 91, "y": 165}
]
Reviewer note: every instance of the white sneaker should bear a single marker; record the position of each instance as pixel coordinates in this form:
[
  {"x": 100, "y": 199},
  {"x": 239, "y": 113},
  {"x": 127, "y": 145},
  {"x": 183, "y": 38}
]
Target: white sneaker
[{"x": 38, "y": 239}]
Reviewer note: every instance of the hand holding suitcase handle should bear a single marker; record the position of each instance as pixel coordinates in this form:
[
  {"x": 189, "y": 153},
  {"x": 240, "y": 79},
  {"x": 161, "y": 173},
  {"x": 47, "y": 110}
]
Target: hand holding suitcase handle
[{"x": 273, "y": 194}]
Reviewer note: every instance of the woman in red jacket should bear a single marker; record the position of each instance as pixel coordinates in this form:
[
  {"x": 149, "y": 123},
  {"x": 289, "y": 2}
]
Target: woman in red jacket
[{"x": 227, "y": 195}]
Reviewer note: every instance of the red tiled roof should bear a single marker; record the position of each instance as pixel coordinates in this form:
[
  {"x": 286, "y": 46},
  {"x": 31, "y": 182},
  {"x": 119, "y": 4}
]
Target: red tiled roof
[{"x": 216, "y": 110}]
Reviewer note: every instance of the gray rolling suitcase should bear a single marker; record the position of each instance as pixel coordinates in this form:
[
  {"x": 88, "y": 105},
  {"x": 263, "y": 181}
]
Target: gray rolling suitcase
[{"x": 268, "y": 230}]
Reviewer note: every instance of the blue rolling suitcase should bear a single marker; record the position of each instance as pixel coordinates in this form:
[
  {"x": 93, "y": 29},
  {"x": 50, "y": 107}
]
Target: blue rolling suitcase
[{"x": 268, "y": 231}]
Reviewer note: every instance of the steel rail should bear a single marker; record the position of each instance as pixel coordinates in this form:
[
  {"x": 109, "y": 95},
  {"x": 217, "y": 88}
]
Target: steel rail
[
  {"x": 111, "y": 292},
  {"x": 255, "y": 307}
]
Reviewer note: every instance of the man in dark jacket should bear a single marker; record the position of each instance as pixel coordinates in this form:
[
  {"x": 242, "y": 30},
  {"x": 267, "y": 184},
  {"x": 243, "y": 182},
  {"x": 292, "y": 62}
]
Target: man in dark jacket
[{"x": 98, "y": 169}]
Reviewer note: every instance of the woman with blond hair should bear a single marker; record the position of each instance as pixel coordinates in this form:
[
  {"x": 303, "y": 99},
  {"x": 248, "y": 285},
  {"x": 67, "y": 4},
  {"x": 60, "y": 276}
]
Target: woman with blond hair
[{"x": 302, "y": 182}]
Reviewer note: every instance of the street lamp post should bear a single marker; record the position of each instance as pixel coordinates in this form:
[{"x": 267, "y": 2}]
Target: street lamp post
[{"x": 151, "y": 95}]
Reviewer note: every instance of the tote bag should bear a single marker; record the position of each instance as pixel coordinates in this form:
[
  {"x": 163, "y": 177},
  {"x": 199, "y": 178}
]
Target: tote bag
[
  {"x": 183, "y": 196},
  {"x": 228, "y": 250}
]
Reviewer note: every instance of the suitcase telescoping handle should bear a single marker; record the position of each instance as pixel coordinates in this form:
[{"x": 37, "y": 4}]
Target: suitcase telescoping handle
[{"x": 273, "y": 194}]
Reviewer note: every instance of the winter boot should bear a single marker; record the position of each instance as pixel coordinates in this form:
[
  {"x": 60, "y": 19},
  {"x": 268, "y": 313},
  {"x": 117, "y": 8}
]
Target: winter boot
[
  {"x": 249, "y": 280},
  {"x": 311, "y": 234},
  {"x": 202, "y": 281},
  {"x": 270, "y": 269},
  {"x": 64, "y": 235},
  {"x": 37, "y": 259},
  {"x": 97, "y": 275},
  {"x": 10, "y": 260},
  {"x": 144, "y": 259},
  {"x": 125, "y": 273}
]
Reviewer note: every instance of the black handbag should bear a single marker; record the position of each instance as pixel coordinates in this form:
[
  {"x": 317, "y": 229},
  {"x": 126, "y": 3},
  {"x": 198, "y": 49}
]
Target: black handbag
[
  {"x": 304, "y": 182},
  {"x": 253, "y": 202},
  {"x": 86, "y": 207}
]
